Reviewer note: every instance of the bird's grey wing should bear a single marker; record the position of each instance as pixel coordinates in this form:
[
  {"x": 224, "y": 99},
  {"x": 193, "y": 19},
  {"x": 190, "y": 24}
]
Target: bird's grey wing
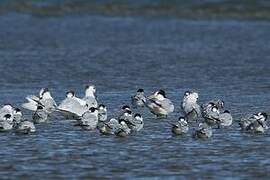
[
  {"x": 32, "y": 103},
  {"x": 197, "y": 108},
  {"x": 225, "y": 117},
  {"x": 91, "y": 101},
  {"x": 68, "y": 114},
  {"x": 89, "y": 119},
  {"x": 113, "y": 124},
  {"x": 42, "y": 114},
  {"x": 32, "y": 98},
  {"x": 72, "y": 106},
  {"x": 187, "y": 107},
  {"x": 155, "y": 102},
  {"x": 167, "y": 105},
  {"x": 175, "y": 124},
  {"x": 49, "y": 104}
]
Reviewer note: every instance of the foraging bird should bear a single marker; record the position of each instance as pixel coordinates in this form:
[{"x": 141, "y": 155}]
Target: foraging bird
[
  {"x": 159, "y": 104},
  {"x": 190, "y": 107},
  {"x": 26, "y": 127},
  {"x": 89, "y": 119},
  {"x": 102, "y": 113},
  {"x": 225, "y": 119},
  {"x": 90, "y": 96},
  {"x": 138, "y": 99},
  {"x": 180, "y": 127},
  {"x": 123, "y": 130},
  {"x": 110, "y": 127},
  {"x": 204, "y": 131},
  {"x": 72, "y": 107},
  {"x": 45, "y": 99},
  {"x": 40, "y": 115}
]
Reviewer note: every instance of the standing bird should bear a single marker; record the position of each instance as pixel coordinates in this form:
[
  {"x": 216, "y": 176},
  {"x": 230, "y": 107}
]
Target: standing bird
[
  {"x": 45, "y": 99},
  {"x": 89, "y": 119},
  {"x": 190, "y": 107},
  {"x": 180, "y": 127},
  {"x": 40, "y": 115},
  {"x": 102, "y": 113},
  {"x": 204, "y": 131},
  {"x": 72, "y": 107},
  {"x": 159, "y": 104},
  {"x": 90, "y": 96},
  {"x": 138, "y": 99}
]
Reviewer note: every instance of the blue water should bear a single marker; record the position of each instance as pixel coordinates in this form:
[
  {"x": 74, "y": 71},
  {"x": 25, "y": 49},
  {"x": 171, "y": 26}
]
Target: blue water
[{"x": 226, "y": 59}]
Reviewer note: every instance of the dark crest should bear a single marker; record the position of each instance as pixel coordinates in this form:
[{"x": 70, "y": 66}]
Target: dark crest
[
  {"x": 187, "y": 93},
  {"x": 181, "y": 118},
  {"x": 137, "y": 115},
  {"x": 7, "y": 116},
  {"x": 128, "y": 111},
  {"x": 45, "y": 90},
  {"x": 101, "y": 105},
  {"x": 140, "y": 90},
  {"x": 162, "y": 92},
  {"x": 264, "y": 114},
  {"x": 125, "y": 107},
  {"x": 39, "y": 107},
  {"x": 17, "y": 110},
  {"x": 72, "y": 92},
  {"x": 92, "y": 109}
]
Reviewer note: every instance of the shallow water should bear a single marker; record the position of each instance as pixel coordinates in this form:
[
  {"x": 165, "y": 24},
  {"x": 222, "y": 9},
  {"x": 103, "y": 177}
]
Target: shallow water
[{"x": 221, "y": 59}]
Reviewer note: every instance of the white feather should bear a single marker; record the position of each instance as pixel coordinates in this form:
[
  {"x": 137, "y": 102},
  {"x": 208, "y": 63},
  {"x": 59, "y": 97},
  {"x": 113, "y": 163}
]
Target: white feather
[
  {"x": 32, "y": 106},
  {"x": 32, "y": 98}
]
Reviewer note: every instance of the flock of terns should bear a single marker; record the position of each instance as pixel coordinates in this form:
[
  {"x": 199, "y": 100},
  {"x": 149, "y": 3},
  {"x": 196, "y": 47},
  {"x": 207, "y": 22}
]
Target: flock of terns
[{"x": 89, "y": 114}]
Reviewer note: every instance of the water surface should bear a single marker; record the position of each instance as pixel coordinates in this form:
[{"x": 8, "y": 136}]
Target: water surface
[{"x": 226, "y": 59}]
